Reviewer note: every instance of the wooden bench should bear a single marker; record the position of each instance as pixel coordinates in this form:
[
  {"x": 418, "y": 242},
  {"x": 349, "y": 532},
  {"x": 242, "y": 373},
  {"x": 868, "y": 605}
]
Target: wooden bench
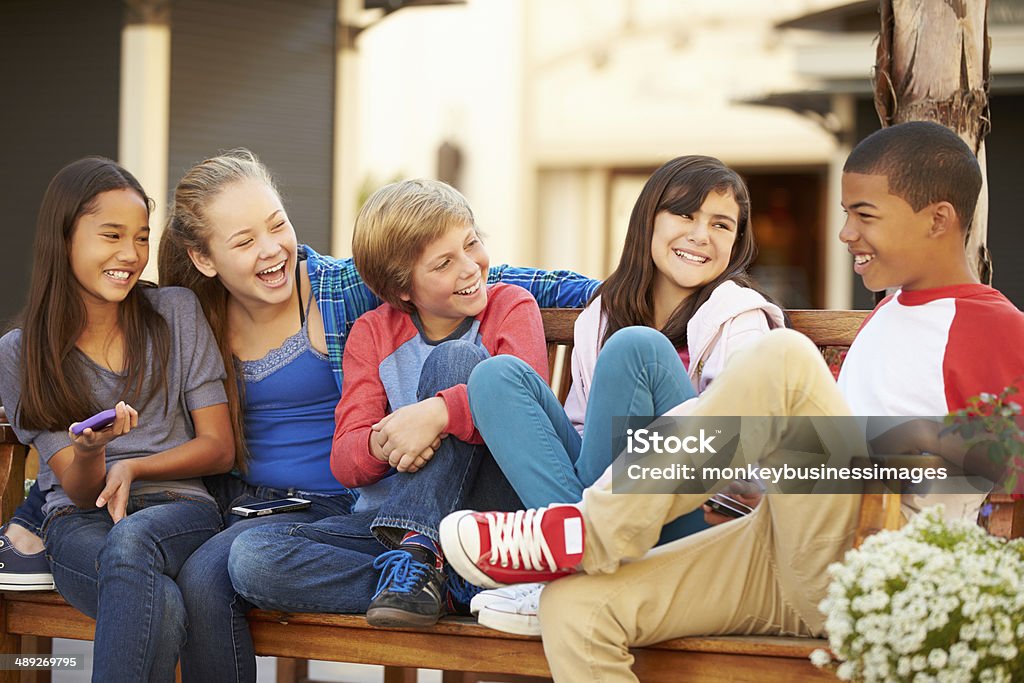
[{"x": 461, "y": 647}]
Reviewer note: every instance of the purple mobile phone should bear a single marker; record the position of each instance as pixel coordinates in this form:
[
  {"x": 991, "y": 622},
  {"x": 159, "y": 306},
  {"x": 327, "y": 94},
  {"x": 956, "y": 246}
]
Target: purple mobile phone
[{"x": 96, "y": 422}]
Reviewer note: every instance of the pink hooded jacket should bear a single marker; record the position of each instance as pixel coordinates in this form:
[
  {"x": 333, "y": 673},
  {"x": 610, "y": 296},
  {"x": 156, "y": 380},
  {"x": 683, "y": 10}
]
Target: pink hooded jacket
[{"x": 732, "y": 317}]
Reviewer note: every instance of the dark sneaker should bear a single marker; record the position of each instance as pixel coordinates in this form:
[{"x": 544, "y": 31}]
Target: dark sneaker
[
  {"x": 20, "y": 572},
  {"x": 495, "y": 549},
  {"x": 409, "y": 592},
  {"x": 460, "y": 594}
]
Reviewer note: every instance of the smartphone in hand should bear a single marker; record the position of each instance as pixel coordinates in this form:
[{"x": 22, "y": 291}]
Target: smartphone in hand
[
  {"x": 99, "y": 421},
  {"x": 728, "y": 506}
]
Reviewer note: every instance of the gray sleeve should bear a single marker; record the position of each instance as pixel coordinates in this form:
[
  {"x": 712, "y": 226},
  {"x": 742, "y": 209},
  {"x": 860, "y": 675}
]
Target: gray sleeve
[
  {"x": 202, "y": 367},
  {"x": 47, "y": 443}
]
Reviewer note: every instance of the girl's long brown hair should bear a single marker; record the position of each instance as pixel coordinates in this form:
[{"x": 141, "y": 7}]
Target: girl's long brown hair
[
  {"x": 187, "y": 228},
  {"x": 54, "y": 388},
  {"x": 679, "y": 187}
]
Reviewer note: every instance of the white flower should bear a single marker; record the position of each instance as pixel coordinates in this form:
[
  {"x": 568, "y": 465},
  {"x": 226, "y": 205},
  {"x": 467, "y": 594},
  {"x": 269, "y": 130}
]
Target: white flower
[
  {"x": 937, "y": 658},
  {"x": 903, "y": 667},
  {"x": 930, "y": 602},
  {"x": 821, "y": 658}
]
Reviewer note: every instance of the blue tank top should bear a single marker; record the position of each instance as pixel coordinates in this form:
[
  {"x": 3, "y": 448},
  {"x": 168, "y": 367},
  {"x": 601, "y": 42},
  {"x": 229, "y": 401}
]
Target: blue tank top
[{"x": 290, "y": 396}]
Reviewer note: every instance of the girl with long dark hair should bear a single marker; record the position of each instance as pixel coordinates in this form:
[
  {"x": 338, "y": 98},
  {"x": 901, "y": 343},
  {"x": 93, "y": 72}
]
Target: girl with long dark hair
[
  {"x": 682, "y": 276},
  {"x": 124, "y": 504}
]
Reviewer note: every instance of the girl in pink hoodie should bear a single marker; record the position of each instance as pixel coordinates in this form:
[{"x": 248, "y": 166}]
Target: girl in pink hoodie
[{"x": 678, "y": 305}]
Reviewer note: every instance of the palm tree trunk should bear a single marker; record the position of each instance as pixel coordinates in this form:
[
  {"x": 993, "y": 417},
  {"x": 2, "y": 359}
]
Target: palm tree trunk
[{"x": 932, "y": 64}]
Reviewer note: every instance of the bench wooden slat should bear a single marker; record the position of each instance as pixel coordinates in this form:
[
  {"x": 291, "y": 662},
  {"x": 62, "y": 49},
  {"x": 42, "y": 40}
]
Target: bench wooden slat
[
  {"x": 696, "y": 667},
  {"x": 828, "y": 328},
  {"x": 454, "y": 644},
  {"x": 23, "y": 623},
  {"x": 559, "y": 324},
  {"x": 825, "y": 328},
  {"x": 467, "y": 646},
  {"x": 45, "y": 614}
]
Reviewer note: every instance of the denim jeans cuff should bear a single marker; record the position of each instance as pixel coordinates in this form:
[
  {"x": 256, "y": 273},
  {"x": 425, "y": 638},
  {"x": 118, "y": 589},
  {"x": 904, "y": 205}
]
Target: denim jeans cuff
[
  {"x": 27, "y": 524},
  {"x": 389, "y": 530}
]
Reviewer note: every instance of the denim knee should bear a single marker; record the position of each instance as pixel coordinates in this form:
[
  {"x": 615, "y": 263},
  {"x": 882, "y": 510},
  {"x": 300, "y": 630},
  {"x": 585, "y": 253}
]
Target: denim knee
[
  {"x": 449, "y": 364},
  {"x": 646, "y": 341},
  {"x": 129, "y": 542},
  {"x": 496, "y": 372}
]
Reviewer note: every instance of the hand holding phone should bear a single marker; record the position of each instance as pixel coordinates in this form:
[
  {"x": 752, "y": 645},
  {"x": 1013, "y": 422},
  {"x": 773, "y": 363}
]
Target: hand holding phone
[
  {"x": 92, "y": 434},
  {"x": 270, "y": 507},
  {"x": 100, "y": 420},
  {"x": 727, "y": 506}
]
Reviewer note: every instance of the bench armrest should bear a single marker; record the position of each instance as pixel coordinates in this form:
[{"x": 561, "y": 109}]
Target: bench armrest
[{"x": 12, "y": 468}]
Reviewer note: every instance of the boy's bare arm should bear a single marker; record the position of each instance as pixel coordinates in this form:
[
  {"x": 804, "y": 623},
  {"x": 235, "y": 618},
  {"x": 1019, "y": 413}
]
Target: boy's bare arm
[{"x": 928, "y": 437}]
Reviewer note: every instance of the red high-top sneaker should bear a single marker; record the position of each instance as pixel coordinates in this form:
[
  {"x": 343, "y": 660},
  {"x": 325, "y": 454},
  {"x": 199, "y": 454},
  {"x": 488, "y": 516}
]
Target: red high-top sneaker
[{"x": 494, "y": 549}]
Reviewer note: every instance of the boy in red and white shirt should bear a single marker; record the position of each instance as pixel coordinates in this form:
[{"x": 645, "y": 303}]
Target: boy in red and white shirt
[{"x": 910, "y": 192}]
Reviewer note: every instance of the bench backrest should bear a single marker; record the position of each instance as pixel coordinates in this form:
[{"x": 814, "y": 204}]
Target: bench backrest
[{"x": 831, "y": 331}]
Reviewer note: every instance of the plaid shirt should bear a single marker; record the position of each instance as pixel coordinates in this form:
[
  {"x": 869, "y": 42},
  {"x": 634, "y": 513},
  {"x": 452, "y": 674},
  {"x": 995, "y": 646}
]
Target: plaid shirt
[{"x": 343, "y": 297}]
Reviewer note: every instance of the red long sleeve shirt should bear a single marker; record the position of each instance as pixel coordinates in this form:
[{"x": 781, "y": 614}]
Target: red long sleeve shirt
[{"x": 384, "y": 357}]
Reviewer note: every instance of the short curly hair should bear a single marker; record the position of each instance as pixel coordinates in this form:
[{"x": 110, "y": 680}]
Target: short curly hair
[{"x": 924, "y": 163}]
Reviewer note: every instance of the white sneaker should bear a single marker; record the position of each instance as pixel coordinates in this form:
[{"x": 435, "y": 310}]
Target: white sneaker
[
  {"x": 514, "y": 615},
  {"x": 514, "y": 592}
]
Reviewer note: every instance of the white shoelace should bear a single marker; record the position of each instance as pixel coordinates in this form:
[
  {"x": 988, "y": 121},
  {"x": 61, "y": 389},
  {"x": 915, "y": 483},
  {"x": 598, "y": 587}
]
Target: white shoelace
[{"x": 517, "y": 535}]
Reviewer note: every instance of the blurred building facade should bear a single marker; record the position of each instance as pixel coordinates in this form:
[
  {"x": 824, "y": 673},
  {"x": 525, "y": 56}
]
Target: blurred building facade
[{"x": 548, "y": 114}]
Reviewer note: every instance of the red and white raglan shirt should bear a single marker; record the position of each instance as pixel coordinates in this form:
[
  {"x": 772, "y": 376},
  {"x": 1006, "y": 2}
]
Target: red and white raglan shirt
[
  {"x": 926, "y": 353},
  {"x": 384, "y": 357}
]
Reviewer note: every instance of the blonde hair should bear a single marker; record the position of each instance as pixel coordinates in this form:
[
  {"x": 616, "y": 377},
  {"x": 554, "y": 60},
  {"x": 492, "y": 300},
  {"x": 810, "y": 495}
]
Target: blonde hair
[
  {"x": 395, "y": 226},
  {"x": 188, "y": 228}
]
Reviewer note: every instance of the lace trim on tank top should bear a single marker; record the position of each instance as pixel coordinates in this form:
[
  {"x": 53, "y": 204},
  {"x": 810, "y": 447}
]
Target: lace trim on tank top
[{"x": 290, "y": 349}]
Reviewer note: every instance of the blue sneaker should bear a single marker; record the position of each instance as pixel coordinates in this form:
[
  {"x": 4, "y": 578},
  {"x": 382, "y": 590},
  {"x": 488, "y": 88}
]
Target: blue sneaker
[
  {"x": 409, "y": 592},
  {"x": 20, "y": 572}
]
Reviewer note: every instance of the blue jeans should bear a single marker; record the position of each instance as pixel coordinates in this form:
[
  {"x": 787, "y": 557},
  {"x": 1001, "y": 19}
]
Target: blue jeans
[
  {"x": 459, "y": 474},
  {"x": 30, "y": 513},
  {"x": 324, "y": 566},
  {"x": 123, "y": 575},
  {"x": 638, "y": 373},
  {"x": 327, "y": 566},
  {"x": 219, "y": 647}
]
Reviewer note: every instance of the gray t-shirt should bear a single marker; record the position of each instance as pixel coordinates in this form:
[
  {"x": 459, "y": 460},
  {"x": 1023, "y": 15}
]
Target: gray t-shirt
[{"x": 195, "y": 379}]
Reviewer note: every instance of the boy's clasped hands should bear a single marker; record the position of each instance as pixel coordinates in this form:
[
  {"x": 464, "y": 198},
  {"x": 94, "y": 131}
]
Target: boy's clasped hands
[{"x": 407, "y": 438}]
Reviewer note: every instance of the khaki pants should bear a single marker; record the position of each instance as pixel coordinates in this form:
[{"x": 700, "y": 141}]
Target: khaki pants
[{"x": 762, "y": 574}]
